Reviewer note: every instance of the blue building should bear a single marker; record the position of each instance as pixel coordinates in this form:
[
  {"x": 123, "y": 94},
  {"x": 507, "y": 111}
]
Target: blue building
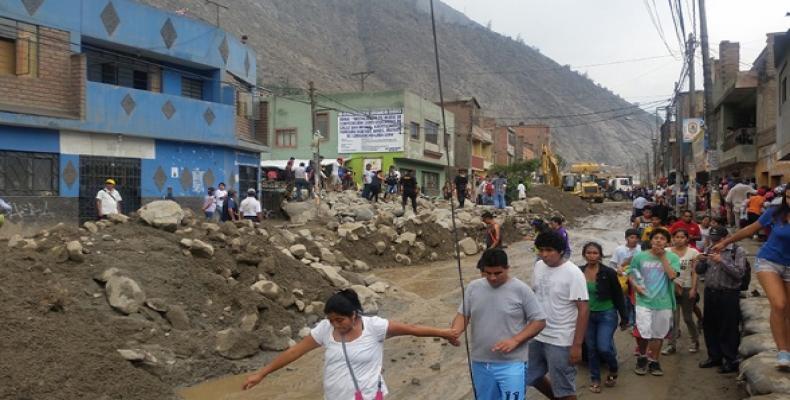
[{"x": 96, "y": 89}]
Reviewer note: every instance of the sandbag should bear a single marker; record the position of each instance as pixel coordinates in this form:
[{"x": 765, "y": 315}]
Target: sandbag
[
  {"x": 754, "y": 326},
  {"x": 762, "y": 376},
  {"x": 755, "y": 308},
  {"x": 754, "y": 344}
]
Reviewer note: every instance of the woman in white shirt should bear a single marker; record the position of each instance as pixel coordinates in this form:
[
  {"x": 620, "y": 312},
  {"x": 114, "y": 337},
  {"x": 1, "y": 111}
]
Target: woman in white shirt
[{"x": 354, "y": 349}]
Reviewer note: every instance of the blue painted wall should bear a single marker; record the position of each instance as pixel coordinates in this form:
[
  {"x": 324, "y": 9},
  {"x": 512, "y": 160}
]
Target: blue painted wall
[
  {"x": 139, "y": 28},
  {"x": 17, "y": 138},
  {"x": 199, "y": 160},
  {"x": 67, "y": 190},
  {"x": 171, "y": 82}
]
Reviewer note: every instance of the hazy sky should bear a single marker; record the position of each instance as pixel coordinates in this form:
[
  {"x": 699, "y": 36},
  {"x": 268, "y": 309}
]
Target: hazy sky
[{"x": 584, "y": 32}]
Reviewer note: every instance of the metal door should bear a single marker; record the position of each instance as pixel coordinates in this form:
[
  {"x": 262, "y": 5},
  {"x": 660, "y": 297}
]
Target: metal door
[
  {"x": 248, "y": 178},
  {"x": 95, "y": 170}
]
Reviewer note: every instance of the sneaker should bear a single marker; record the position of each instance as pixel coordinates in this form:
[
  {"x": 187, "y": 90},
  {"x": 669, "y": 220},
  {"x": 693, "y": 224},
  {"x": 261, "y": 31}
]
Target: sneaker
[
  {"x": 641, "y": 366},
  {"x": 694, "y": 347},
  {"x": 655, "y": 368},
  {"x": 783, "y": 360},
  {"x": 670, "y": 349}
]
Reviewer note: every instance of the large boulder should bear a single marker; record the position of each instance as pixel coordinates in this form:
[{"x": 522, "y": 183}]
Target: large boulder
[
  {"x": 468, "y": 246},
  {"x": 331, "y": 275},
  {"x": 162, "y": 214},
  {"x": 266, "y": 288},
  {"x": 235, "y": 344},
  {"x": 300, "y": 212},
  {"x": 407, "y": 237},
  {"x": 201, "y": 249},
  {"x": 271, "y": 340},
  {"x": 363, "y": 214},
  {"x": 74, "y": 249},
  {"x": 298, "y": 250},
  {"x": 124, "y": 294}
]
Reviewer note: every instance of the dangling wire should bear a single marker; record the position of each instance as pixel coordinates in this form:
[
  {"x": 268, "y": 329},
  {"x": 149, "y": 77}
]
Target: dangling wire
[{"x": 452, "y": 205}]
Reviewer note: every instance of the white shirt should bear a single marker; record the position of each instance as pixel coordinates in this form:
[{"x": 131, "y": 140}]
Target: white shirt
[
  {"x": 250, "y": 207},
  {"x": 558, "y": 289},
  {"x": 335, "y": 168},
  {"x": 369, "y": 176},
  {"x": 366, "y": 354},
  {"x": 220, "y": 196},
  {"x": 109, "y": 201},
  {"x": 684, "y": 278},
  {"x": 737, "y": 194},
  {"x": 640, "y": 203},
  {"x": 622, "y": 253},
  {"x": 300, "y": 173},
  {"x": 522, "y": 191}
]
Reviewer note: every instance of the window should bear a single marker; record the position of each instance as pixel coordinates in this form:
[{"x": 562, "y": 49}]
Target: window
[
  {"x": 322, "y": 125},
  {"x": 431, "y": 132},
  {"x": 18, "y": 48},
  {"x": 28, "y": 174},
  {"x": 192, "y": 88},
  {"x": 430, "y": 183},
  {"x": 414, "y": 131},
  {"x": 244, "y": 104},
  {"x": 109, "y": 73},
  {"x": 140, "y": 80},
  {"x": 285, "y": 137}
]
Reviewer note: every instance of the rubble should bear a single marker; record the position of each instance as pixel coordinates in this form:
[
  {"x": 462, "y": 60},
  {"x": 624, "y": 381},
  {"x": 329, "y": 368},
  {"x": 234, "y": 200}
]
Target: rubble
[
  {"x": 124, "y": 294},
  {"x": 162, "y": 214}
]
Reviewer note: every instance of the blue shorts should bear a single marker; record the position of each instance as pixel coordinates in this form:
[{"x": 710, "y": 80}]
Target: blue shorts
[
  {"x": 764, "y": 265},
  {"x": 500, "y": 381},
  {"x": 554, "y": 361}
]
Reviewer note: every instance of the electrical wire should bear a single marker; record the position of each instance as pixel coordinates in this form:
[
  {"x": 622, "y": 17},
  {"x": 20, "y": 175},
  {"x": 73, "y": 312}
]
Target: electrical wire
[
  {"x": 452, "y": 204},
  {"x": 563, "y": 67},
  {"x": 657, "y": 24}
]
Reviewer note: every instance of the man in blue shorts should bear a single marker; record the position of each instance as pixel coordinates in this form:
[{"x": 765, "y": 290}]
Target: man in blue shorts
[{"x": 504, "y": 314}]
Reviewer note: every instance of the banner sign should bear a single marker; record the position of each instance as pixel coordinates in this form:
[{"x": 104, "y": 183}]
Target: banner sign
[
  {"x": 374, "y": 132},
  {"x": 691, "y": 128}
]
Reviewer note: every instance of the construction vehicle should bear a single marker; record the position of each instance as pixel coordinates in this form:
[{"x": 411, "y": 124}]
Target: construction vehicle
[
  {"x": 586, "y": 185},
  {"x": 620, "y": 188},
  {"x": 549, "y": 167}
]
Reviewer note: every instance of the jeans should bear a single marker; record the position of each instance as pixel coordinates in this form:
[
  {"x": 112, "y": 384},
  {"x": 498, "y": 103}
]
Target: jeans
[
  {"x": 300, "y": 184},
  {"x": 599, "y": 340},
  {"x": 685, "y": 307},
  {"x": 499, "y": 200},
  {"x": 499, "y": 381}
]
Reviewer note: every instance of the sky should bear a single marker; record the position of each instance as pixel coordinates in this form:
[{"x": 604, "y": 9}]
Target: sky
[{"x": 584, "y": 32}]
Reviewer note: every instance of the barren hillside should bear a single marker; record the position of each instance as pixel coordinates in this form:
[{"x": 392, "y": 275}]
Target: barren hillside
[{"x": 327, "y": 40}]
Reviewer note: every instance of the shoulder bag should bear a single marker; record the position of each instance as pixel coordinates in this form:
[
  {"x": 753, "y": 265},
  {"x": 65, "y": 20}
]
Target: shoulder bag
[{"x": 357, "y": 392}]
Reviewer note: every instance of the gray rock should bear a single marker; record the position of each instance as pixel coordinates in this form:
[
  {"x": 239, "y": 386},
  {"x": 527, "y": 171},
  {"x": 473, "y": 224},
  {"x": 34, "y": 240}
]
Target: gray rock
[
  {"x": 379, "y": 287},
  {"x": 468, "y": 246},
  {"x": 402, "y": 259},
  {"x": 186, "y": 243},
  {"x": 271, "y": 340},
  {"x": 407, "y": 237},
  {"x": 162, "y": 214},
  {"x": 201, "y": 249},
  {"x": 91, "y": 227},
  {"x": 178, "y": 318},
  {"x": 328, "y": 256},
  {"x": 229, "y": 229},
  {"x": 249, "y": 322},
  {"x": 388, "y": 232},
  {"x": 16, "y": 242},
  {"x": 381, "y": 247},
  {"x": 361, "y": 266},
  {"x": 235, "y": 344},
  {"x": 118, "y": 218},
  {"x": 299, "y": 212},
  {"x": 74, "y": 249},
  {"x": 157, "y": 304},
  {"x": 363, "y": 214},
  {"x": 331, "y": 275},
  {"x": 298, "y": 250},
  {"x": 132, "y": 354},
  {"x": 266, "y": 288},
  {"x": 124, "y": 294}
]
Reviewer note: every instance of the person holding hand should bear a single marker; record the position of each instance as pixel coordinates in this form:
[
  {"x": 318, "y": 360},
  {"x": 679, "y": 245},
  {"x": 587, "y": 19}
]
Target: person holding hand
[
  {"x": 354, "y": 349},
  {"x": 651, "y": 275},
  {"x": 504, "y": 314}
]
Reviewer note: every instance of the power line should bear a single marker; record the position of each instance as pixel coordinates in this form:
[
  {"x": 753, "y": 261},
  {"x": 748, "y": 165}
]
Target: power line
[
  {"x": 657, "y": 24},
  {"x": 526, "y": 70},
  {"x": 561, "y": 116}
]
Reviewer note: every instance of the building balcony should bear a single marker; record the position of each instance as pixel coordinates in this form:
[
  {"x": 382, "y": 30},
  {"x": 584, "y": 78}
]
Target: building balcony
[
  {"x": 737, "y": 91},
  {"x": 478, "y": 163},
  {"x": 481, "y": 135},
  {"x": 739, "y": 154}
]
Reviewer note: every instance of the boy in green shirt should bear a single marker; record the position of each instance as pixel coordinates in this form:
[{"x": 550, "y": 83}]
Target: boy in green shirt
[{"x": 651, "y": 275}]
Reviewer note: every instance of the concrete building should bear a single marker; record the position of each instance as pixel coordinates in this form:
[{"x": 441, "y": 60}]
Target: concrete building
[
  {"x": 96, "y": 89},
  {"x": 669, "y": 152},
  {"x": 504, "y": 145},
  {"x": 530, "y": 139},
  {"x": 385, "y": 128},
  {"x": 473, "y": 143},
  {"x": 781, "y": 48}
]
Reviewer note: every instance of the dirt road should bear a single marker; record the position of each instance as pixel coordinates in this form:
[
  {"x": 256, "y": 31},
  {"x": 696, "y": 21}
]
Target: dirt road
[{"x": 426, "y": 369}]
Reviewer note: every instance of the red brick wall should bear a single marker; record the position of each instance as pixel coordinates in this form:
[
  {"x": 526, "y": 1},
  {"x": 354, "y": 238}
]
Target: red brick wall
[{"x": 54, "y": 91}]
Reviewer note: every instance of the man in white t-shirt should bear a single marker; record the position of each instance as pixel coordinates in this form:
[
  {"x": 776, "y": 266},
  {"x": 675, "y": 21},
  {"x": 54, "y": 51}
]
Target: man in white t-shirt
[
  {"x": 220, "y": 194},
  {"x": 562, "y": 291},
  {"x": 334, "y": 177},
  {"x": 735, "y": 199},
  {"x": 108, "y": 200},
  {"x": 522, "y": 190},
  {"x": 250, "y": 207}
]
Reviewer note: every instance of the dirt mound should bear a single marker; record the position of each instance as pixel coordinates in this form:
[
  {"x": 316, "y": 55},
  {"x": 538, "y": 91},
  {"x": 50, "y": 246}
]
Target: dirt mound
[
  {"x": 565, "y": 203},
  {"x": 59, "y": 337}
]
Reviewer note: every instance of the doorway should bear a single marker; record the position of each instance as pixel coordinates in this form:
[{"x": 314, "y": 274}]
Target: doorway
[{"x": 95, "y": 170}]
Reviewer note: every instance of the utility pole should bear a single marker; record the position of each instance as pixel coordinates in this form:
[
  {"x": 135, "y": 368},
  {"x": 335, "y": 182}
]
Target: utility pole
[
  {"x": 710, "y": 133},
  {"x": 362, "y": 76},
  {"x": 218, "y": 6},
  {"x": 692, "y": 170},
  {"x": 316, "y": 160},
  {"x": 647, "y": 168}
]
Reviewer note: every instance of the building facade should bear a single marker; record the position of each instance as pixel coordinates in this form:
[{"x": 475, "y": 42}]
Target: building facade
[
  {"x": 530, "y": 139},
  {"x": 473, "y": 143},
  {"x": 383, "y": 129},
  {"x": 504, "y": 145},
  {"x": 781, "y": 48},
  {"x": 97, "y": 89}
]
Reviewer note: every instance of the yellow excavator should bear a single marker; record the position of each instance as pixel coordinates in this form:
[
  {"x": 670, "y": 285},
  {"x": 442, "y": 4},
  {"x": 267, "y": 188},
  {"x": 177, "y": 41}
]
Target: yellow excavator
[
  {"x": 585, "y": 178},
  {"x": 549, "y": 167}
]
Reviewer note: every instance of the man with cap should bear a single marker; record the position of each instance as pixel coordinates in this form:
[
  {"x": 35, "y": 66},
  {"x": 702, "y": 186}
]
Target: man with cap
[
  {"x": 250, "y": 207},
  {"x": 108, "y": 200},
  {"x": 723, "y": 273}
]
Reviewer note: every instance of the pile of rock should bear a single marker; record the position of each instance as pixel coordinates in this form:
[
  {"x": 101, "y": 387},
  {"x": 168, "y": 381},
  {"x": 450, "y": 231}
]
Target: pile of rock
[{"x": 758, "y": 350}]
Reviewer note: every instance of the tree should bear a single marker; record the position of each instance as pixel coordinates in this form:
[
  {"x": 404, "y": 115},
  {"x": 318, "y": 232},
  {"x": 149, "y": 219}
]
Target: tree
[{"x": 515, "y": 173}]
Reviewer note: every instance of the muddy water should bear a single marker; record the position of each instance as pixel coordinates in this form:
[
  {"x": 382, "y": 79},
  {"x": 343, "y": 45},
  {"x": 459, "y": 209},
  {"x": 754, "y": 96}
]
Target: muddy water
[{"x": 423, "y": 369}]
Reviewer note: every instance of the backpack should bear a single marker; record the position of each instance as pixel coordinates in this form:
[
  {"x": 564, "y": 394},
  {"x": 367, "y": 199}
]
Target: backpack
[{"x": 489, "y": 189}]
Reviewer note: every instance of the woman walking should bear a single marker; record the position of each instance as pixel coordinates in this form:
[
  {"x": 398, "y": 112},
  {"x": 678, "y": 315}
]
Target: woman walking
[
  {"x": 354, "y": 349},
  {"x": 209, "y": 204},
  {"x": 606, "y": 302},
  {"x": 685, "y": 292},
  {"x": 773, "y": 270}
]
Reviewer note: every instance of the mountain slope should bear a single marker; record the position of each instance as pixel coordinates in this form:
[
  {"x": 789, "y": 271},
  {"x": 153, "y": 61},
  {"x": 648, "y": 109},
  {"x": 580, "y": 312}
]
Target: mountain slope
[{"x": 327, "y": 40}]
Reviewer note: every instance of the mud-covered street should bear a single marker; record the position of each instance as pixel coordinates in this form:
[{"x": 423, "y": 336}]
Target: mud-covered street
[{"x": 427, "y": 369}]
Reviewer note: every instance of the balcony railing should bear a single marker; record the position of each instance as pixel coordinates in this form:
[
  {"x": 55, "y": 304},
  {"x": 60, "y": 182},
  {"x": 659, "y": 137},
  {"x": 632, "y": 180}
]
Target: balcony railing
[
  {"x": 739, "y": 137},
  {"x": 745, "y": 153}
]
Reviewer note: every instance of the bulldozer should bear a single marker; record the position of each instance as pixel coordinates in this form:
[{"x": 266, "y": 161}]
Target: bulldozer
[{"x": 585, "y": 181}]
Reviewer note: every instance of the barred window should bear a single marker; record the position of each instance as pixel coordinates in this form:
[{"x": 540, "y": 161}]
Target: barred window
[{"x": 29, "y": 174}]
